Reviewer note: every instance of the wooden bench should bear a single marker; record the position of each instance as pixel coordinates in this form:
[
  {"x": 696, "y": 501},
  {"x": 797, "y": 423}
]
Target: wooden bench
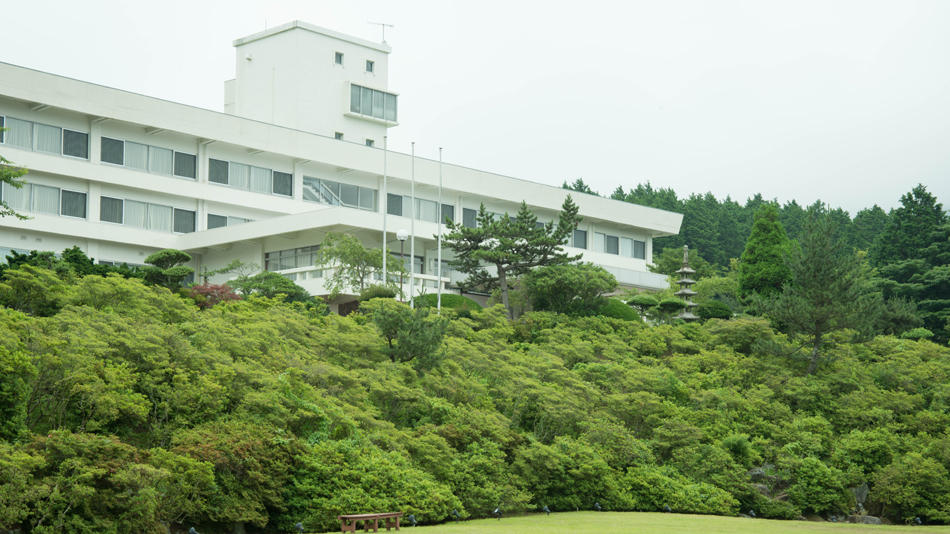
[{"x": 370, "y": 521}]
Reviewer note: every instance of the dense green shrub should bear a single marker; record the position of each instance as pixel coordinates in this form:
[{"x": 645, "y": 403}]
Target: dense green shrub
[
  {"x": 450, "y": 301},
  {"x": 918, "y": 333},
  {"x": 616, "y": 309},
  {"x": 376, "y": 291},
  {"x": 713, "y": 309}
]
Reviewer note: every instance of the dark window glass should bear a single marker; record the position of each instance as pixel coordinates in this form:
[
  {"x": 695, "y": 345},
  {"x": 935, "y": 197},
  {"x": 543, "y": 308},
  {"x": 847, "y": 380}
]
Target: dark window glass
[
  {"x": 369, "y": 66},
  {"x": 350, "y": 195},
  {"x": 338, "y": 58},
  {"x": 448, "y": 212},
  {"x": 613, "y": 245},
  {"x": 73, "y": 204},
  {"x": 110, "y": 210},
  {"x": 355, "y": 98},
  {"x": 283, "y": 184},
  {"x": 218, "y": 171},
  {"x": 75, "y": 144},
  {"x": 186, "y": 165},
  {"x": 640, "y": 250},
  {"x": 113, "y": 151},
  {"x": 184, "y": 221},
  {"x": 394, "y": 205},
  {"x": 216, "y": 221},
  {"x": 468, "y": 218},
  {"x": 2, "y": 119},
  {"x": 580, "y": 239}
]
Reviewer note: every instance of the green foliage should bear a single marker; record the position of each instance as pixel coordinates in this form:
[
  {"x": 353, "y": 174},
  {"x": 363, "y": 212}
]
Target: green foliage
[
  {"x": 167, "y": 268},
  {"x": 819, "y": 488},
  {"x": 762, "y": 269},
  {"x": 353, "y": 264},
  {"x": 907, "y": 234},
  {"x": 652, "y": 488},
  {"x": 668, "y": 307},
  {"x": 569, "y": 288},
  {"x": 450, "y": 301},
  {"x": 377, "y": 291},
  {"x": 18, "y": 374},
  {"x": 713, "y": 309},
  {"x": 514, "y": 245},
  {"x": 270, "y": 284},
  {"x": 915, "y": 486},
  {"x": 411, "y": 334},
  {"x": 32, "y": 290},
  {"x": 918, "y": 333},
  {"x": 740, "y": 334},
  {"x": 828, "y": 290},
  {"x": 616, "y": 309}
]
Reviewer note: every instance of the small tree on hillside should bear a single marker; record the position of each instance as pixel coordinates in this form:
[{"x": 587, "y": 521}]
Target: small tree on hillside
[
  {"x": 354, "y": 263},
  {"x": 763, "y": 269},
  {"x": 573, "y": 288},
  {"x": 167, "y": 268},
  {"x": 513, "y": 246},
  {"x": 410, "y": 334},
  {"x": 828, "y": 290}
]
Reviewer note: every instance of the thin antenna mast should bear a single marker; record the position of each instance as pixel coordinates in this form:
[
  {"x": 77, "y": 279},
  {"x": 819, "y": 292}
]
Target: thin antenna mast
[{"x": 384, "y": 26}]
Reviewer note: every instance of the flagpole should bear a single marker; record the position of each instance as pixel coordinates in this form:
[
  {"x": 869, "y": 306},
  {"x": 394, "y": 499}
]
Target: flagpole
[
  {"x": 384, "y": 207},
  {"x": 412, "y": 233},
  {"x": 441, "y": 222}
]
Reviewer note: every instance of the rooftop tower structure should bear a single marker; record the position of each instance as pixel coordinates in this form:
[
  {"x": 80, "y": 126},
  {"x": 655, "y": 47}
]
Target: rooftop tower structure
[{"x": 316, "y": 80}]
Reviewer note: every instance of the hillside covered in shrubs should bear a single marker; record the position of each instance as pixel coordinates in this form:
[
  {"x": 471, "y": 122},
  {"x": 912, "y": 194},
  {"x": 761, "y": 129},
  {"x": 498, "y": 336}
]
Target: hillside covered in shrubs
[{"x": 125, "y": 407}]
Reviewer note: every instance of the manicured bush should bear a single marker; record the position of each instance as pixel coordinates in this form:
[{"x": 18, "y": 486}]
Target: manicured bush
[
  {"x": 618, "y": 310},
  {"x": 713, "y": 309},
  {"x": 377, "y": 291},
  {"x": 917, "y": 334},
  {"x": 450, "y": 301}
]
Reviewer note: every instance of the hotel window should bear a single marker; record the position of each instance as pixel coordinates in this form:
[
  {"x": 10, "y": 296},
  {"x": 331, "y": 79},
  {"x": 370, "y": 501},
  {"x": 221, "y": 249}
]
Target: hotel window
[
  {"x": 579, "y": 239},
  {"x": 184, "y": 221},
  {"x": 338, "y": 58},
  {"x": 186, "y": 165},
  {"x": 425, "y": 210},
  {"x": 144, "y": 215},
  {"x": 338, "y": 194},
  {"x": 2, "y": 133},
  {"x": 20, "y": 134},
  {"x": 338, "y": 136},
  {"x": 292, "y": 258},
  {"x": 469, "y": 218},
  {"x": 220, "y": 221},
  {"x": 160, "y": 160},
  {"x": 75, "y": 144},
  {"x": 111, "y": 210},
  {"x": 113, "y": 151},
  {"x": 373, "y": 103},
  {"x": 73, "y": 204},
  {"x": 44, "y": 199},
  {"x": 257, "y": 179},
  {"x": 369, "y": 66},
  {"x": 136, "y": 156},
  {"x": 370, "y": 142},
  {"x": 629, "y": 248},
  {"x": 448, "y": 212},
  {"x": 153, "y": 159}
]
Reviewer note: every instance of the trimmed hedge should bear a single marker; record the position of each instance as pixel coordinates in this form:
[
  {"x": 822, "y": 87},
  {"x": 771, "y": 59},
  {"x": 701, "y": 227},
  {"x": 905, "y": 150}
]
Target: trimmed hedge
[
  {"x": 618, "y": 310},
  {"x": 449, "y": 301}
]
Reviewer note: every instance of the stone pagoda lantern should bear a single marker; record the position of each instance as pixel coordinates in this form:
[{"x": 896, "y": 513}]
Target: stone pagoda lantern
[{"x": 685, "y": 292}]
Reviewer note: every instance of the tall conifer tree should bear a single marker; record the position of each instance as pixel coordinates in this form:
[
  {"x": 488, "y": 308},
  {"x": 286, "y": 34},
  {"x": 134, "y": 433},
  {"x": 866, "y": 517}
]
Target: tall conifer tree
[{"x": 762, "y": 269}]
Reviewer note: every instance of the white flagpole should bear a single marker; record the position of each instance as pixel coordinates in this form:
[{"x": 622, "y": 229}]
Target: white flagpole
[
  {"x": 384, "y": 207},
  {"x": 441, "y": 222},
  {"x": 412, "y": 233}
]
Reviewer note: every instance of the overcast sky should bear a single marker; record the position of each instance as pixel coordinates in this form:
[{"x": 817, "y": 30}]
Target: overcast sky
[{"x": 848, "y": 102}]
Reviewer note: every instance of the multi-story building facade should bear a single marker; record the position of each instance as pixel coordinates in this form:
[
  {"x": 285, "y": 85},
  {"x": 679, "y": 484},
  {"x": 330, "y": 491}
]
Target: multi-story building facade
[{"x": 297, "y": 153}]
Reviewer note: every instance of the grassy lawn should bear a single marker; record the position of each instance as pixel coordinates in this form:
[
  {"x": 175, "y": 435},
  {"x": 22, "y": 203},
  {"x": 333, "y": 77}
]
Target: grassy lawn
[{"x": 653, "y": 523}]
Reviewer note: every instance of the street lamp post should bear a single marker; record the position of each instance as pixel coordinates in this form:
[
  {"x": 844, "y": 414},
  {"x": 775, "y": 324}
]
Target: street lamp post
[{"x": 402, "y": 235}]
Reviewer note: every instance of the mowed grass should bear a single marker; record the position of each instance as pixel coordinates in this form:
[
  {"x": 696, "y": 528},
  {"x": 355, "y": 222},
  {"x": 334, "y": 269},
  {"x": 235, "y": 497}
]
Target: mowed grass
[{"x": 651, "y": 523}]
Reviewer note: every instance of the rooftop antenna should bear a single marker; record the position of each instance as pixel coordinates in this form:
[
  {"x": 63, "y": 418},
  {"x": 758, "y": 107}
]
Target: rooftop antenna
[{"x": 384, "y": 25}]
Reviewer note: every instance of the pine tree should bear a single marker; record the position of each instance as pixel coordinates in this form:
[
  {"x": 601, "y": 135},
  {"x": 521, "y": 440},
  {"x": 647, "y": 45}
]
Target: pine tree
[
  {"x": 909, "y": 228},
  {"x": 762, "y": 269},
  {"x": 828, "y": 290},
  {"x": 868, "y": 224}
]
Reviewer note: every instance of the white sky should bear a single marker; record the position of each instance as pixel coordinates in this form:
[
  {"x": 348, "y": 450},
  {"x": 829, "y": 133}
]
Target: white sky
[{"x": 848, "y": 102}]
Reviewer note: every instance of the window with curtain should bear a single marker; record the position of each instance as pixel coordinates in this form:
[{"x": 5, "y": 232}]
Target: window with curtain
[
  {"x": 186, "y": 165},
  {"x": 612, "y": 245},
  {"x": 427, "y": 210},
  {"x": 580, "y": 239},
  {"x": 17, "y": 199},
  {"x": 394, "y": 205},
  {"x": 45, "y": 199},
  {"x": 599, "y": 242},
  {"x": 640, "y": 250},
  {"x": 136, "y": 156},
  {"x": 469, "y": 218},
  {"x": 626, "y": 247},
  {"x": 349, "y": 195},
  {"x": 160, "y": 160},
  {"x": 20, "y": 134},
  {"x": 110, "y": 210},
  {"x": 448, "y": 212},
  {"x": 239, "y": 175},
  {"x": 73, "y": 204},
  {"x": 283, "y": 184},
  {"x": 48, "y": 139},
  {"x": 217, "y": 221},
  {"x": 135, "y": 213},
  {"x": 261, "y": 180},
  {"x": 291, "y": 258},
  {"x": 75, "y": 144},
  {"x": 373, "y": 103},
  {"x": 218, "y": 171},
  {"x": 159, "y": 218},
  {"x": 184, "y": 221},
  {"x": 112, "y": 151}
]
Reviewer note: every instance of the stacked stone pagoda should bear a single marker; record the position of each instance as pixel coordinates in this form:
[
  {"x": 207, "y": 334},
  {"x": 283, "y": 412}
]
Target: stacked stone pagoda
[{"x": 685, "y": 292}]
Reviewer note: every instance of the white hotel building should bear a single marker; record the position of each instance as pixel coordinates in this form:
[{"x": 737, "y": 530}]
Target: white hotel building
[{"x": 297, "y": 152}]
